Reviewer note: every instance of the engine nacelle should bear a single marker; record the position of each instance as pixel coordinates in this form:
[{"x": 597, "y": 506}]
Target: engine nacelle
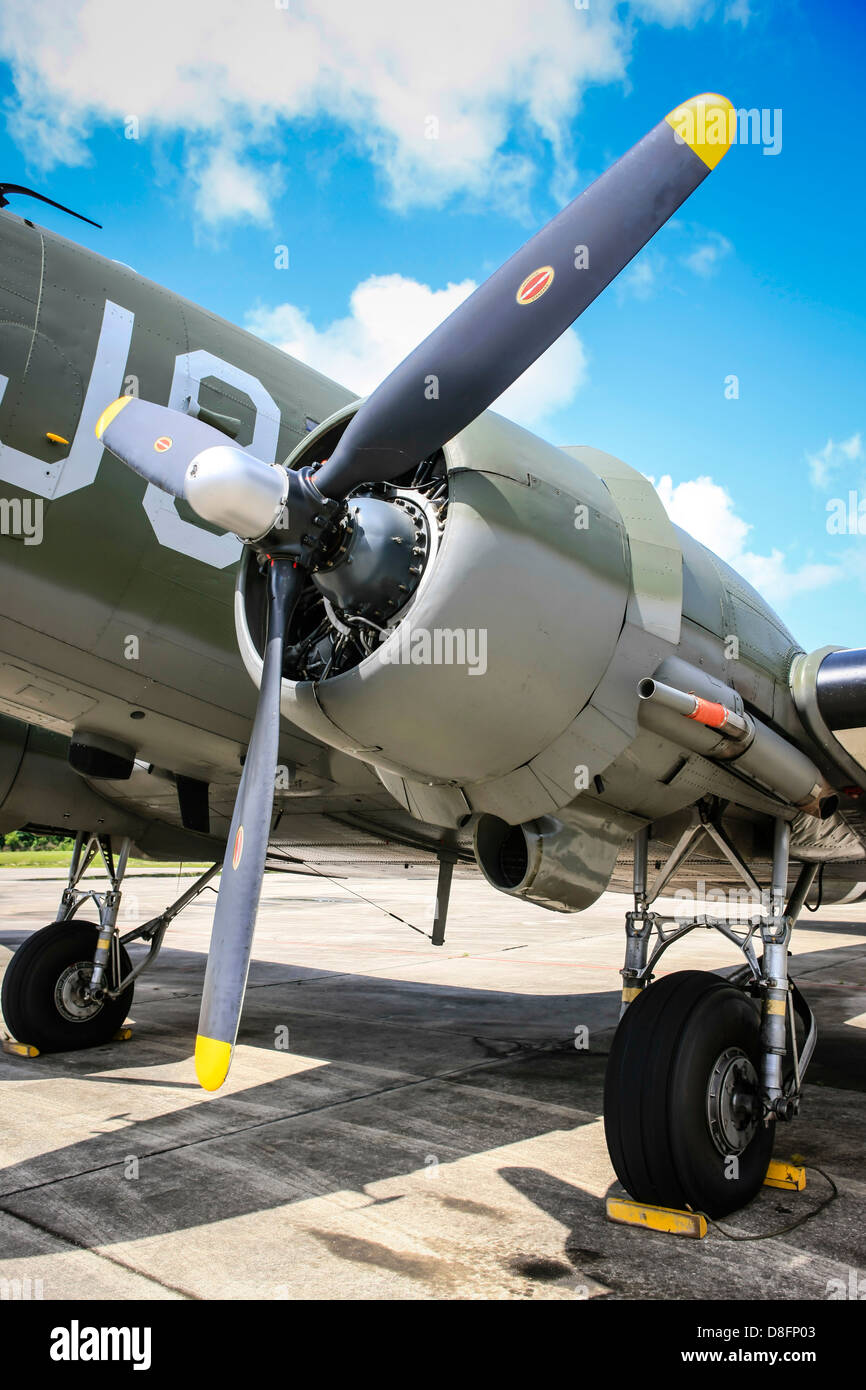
[
  {"x": 514, "y": 619},
  {"x": 829, "y": 689}
]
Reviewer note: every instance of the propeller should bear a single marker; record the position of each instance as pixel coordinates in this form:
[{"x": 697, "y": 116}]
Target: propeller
[
  {"x": 244, "y": 866},
  {"x": 512, "y": 318},
  {"x": 444, "y": 384},
  {"x": 188, "y": 458}
]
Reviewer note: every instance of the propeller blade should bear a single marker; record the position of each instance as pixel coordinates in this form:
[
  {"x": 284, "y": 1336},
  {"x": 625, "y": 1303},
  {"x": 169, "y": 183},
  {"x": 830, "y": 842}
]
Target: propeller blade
[
  {"x": 244, "y": 866},
  {"x": 189, "y": 458},
  {"x": 155, "y": 441},
  {"x": 511, "y": 319}
]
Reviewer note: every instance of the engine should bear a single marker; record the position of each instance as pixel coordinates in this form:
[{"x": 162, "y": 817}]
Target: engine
[
  {"x": 481, "y": 631},
  {"x": 461, "y": 619}
]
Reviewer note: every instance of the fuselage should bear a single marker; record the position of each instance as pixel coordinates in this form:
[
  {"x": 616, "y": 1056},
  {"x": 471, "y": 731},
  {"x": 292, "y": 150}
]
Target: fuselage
[{"x": 116, "y": 608}]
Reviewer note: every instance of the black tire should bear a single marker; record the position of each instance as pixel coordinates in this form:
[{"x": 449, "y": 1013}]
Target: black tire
[
  {"x": 655, "y": 1097},
  {"x": 33, "y": 996}
]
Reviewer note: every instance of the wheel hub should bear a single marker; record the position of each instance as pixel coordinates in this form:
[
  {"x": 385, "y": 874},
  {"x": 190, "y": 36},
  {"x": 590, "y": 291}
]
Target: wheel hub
[
  {"x": 733, "y": 1110},
  {"x": 72, "y": 993}
]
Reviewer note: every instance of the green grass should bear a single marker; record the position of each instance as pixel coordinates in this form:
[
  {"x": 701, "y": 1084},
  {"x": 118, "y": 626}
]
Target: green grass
[{"x": 59, "y": 858}]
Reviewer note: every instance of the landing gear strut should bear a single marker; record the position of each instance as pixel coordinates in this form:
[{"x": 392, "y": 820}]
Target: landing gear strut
[
  {"x": 71, "y": 984},
  {"x": 701, "y": 1068}
]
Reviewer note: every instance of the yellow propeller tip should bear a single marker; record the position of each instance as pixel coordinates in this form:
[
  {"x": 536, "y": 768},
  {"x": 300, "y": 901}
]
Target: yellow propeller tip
[
  {"x": 707, "y": 124},
  {"x": 109, "y": 414},
  {"x": 212, "y": 1061}
]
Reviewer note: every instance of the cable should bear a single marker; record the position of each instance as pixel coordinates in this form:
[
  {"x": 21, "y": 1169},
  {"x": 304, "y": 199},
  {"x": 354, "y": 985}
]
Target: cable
[
  {"x": 293, "y": 859},
  {"x": 820, "y": 892},
  {"x": 771, "y": 1235}
]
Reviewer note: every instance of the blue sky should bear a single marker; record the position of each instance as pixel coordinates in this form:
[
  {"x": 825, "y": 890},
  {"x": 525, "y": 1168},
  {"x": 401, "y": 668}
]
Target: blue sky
[{"x": 307, "y": 125}]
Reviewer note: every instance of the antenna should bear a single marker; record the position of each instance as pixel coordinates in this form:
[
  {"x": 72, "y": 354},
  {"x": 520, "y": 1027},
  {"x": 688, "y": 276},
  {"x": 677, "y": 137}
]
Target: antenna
[{"x": 31, "y": 193}]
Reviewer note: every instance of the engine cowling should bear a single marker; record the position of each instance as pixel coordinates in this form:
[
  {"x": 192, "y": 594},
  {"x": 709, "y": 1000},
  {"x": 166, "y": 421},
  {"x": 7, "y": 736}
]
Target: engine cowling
[
  {"x": 829, "y": 690},
  {"x": 490, "y": 650}
]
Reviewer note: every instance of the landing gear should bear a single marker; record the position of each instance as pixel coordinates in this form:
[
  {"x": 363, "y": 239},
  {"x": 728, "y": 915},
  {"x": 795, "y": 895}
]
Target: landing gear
[
  {"x": 682, "y": 1108},
  {"x": 702, "y": 1068},
  {"x": 47, "y": 998},
  {"x": 71, "y": 984}
]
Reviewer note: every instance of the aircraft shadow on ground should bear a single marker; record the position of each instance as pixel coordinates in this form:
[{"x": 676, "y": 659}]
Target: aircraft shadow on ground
[
  {"x": 370, "y": 1053},
  {"x": 367, "y": 1099}
]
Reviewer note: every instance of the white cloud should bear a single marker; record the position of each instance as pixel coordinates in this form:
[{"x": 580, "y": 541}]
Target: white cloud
[
  {"x": 653, "y": 267},
  {"x": 217, "y": 70},
  {"x": 738, "y": 12},
  {"x": 706, "y": 510},
  {"x": 226, "y": 189},
  {"x": 671, "y": 12},
  {"x": 704, "y": 260},
  {"x": 833, "y": 456},
  {"x": 389, "y": 315},
  {"x": 638, "y": 280}
]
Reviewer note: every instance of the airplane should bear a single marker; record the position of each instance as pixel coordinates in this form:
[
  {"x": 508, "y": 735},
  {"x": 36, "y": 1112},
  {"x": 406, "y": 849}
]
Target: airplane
[{"x": 266, "y": 620}]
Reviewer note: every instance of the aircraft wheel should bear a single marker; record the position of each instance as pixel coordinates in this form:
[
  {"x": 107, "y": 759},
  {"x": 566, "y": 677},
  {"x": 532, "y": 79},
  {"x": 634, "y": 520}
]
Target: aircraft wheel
[
  {"x": 43, "y": 1001},
  {"x": 681, "y": 1109}
]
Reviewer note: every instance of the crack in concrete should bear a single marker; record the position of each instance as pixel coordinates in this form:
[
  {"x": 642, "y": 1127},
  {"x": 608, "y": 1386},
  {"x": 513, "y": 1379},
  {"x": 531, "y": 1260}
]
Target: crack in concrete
[{"x": 99, "y": 1253}]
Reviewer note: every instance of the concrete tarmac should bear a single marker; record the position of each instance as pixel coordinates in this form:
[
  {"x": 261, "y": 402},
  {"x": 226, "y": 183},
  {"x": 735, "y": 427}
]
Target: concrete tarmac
[{"x": 401, "y": 1121}]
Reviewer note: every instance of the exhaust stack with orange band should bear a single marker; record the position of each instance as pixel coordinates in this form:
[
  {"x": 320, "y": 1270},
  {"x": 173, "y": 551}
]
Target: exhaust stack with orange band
[
  {"x": 706, "y": 712},
  {"x": 758, "y": 751}
]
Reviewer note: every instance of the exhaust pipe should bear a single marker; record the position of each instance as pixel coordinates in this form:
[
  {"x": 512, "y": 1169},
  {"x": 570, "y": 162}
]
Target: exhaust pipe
[
  {"x": 707, "y": 712},
  {"x": 760, "y": 753}
]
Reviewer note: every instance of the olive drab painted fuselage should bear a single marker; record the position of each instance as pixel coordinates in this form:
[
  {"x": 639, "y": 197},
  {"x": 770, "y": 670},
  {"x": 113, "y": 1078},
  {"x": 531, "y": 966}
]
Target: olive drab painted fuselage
[{"x": 116, "y": 608}]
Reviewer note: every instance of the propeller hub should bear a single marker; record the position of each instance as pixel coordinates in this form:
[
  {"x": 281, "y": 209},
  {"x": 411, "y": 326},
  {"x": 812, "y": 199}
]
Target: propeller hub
[
  {"x": 380, "y": 559},
  {"x": 233, "y": 489}
]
